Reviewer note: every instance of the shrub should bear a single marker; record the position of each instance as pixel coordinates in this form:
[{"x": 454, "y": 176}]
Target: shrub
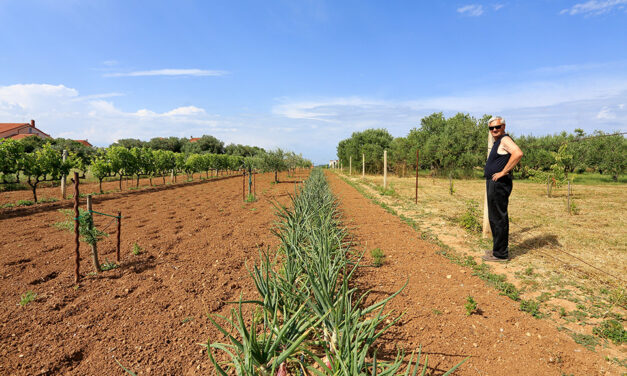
[
  {"x": 471, "y": 306},
  {"x": 531, "y": 306},
  {"x": 377, "y": 257},
  {"x": 470, "y": 218}
]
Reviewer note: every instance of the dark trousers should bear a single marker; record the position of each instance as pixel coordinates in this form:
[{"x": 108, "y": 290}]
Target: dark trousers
[{"x": 498, "y": 199}]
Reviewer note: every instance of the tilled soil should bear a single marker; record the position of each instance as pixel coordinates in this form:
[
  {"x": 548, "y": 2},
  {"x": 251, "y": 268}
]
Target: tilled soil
[
  {"x": 150, "y": 313},
  {"x": 499, "y": 339}
]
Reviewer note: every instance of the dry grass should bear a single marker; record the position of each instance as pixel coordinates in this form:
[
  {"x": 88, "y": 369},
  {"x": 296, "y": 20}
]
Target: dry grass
[{"x": 575, "y": 265}]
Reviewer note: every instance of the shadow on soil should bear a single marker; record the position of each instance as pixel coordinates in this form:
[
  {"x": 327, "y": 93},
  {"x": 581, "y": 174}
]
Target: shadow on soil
[{"x": 536, "y": 242}]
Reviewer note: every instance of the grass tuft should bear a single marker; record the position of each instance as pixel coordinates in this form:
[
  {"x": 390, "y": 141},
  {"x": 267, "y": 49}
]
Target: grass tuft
[{"x": 27, "y": 297}]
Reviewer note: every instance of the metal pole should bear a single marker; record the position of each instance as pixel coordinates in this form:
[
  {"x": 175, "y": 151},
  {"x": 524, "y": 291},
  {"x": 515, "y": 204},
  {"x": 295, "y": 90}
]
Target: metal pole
[
  {"x": 64, "y": 177},
  {"x": 385, "y": 169},
  {"x": 77, "y": 258},
  {"x": 94, "y": 247},
  {"x": 416, "y": 176},
  {"x": 117, "y": 250}
]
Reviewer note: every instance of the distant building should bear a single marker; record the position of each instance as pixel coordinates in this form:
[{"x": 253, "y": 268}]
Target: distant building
[
  {"x": 194, "y": 139},
  {"x": 335, "y": 163},
  {"x": 18, "y": 131}
]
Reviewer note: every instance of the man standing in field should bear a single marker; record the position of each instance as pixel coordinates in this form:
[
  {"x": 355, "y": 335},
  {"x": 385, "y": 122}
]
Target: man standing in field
[{"x": 504, "y": 156}]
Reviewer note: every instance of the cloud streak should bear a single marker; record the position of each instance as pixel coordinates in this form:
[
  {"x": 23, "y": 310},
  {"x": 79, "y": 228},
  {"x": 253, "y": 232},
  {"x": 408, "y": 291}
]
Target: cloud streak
[
  {"x": 595, "y": 7},
  {"x": 472, "y": 10},
  {"x": 170, "y": 72}
]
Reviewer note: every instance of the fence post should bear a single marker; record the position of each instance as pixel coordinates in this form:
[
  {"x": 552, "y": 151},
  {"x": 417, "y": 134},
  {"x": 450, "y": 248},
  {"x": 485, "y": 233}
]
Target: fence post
[
  {"x": 94, "y": 246},
  {"x": 350, "y": 165},
  {"x": 416, "y": 201},
  {"x": 363, "y": 165},
  {"x": 486, "y": 221},
  {"x": 244, "y": 186},
  {"x": 117, "y": 249},
  {"x": 385, "y": 169},
  {"x": 77, "y": 257},
  {"x": 568, "y": 197},
  {"x": 548, "y": 186},
  {"x": 64, "y": 177}
]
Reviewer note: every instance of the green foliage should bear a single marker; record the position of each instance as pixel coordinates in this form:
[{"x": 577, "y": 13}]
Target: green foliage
[
  {"x": 27, "y": 297},
  {"x": 471, "y": 306},
  {"x": 531, "y": 306},
  {"x": 470, "y": 218},
  {"x": 89, "y": 233},
  {"x": 137, "y": 250},
  {"x": 10, "y": 159},
  {"x": 377, "y": 257},
  {"x": 612, "y": 330},
  {"x": 24, "y": 203},
  {"x": 250, "y": 198},
  {"x": 371, "y": 143},
  {"x": 108, "y": 265},
  {"x": 42, "y": 165},
  {"x": 205, "y": 144}
]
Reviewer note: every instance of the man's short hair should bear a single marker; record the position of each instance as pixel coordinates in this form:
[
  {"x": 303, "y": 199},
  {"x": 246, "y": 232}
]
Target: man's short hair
[{"x": 497, "y": 119}]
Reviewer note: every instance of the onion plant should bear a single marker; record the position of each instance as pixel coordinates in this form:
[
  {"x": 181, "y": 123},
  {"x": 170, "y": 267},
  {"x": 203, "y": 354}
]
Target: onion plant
[{"x": 311, "y": 319}]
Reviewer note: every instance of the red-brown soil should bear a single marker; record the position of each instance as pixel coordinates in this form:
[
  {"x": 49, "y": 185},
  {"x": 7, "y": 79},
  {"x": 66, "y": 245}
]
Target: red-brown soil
[
  {"x": 499, "y": 339},
  {"x": 150, "y": 314}
]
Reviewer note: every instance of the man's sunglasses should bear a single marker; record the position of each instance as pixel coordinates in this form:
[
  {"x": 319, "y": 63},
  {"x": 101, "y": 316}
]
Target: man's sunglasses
[{"x": 495, "y": 127}]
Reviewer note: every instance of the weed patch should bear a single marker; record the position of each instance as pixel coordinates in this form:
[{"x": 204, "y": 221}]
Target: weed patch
[
  {"x": 27, "y": 297},
  {"x": 377, "y": 257}
]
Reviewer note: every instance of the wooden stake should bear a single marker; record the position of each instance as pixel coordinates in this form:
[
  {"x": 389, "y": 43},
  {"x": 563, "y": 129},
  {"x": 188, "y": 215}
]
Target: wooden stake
[
  {"x": 117, "y": 249},
  {"x": 385, "y": 169},
  {"x": 548, "y": 186},
  {"x": 94, "y": 247},
  {"x": 416, "y": 176},
  {"x": 569, "y": 197},
  {"x": 363, "y": 165},
  {"x": 350, "y": 165},
  {"x": 255, "y": 184},
  {"x": 244, "y": 186},
  {"x": 77, "y": 258}
]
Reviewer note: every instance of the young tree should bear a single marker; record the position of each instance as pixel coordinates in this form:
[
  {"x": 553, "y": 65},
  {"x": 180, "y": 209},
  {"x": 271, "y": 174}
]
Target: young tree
[
  {"x": 101, "y": 168},
  {"x": 45, "y": 164},
  {"x": 165, "y": 160},
  {"x": 123, "y": 162},
  {"x": 274, "y": 161},
  {"x": 11, "y": 154}
]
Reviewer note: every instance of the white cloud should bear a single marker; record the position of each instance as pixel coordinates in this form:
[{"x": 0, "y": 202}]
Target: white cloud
[
  {"x": 472, "y": 10},
  {"x": 606, "y": 114},
  {"x": 595, "y": 7},
  {"x": 497, "y": 6},
  {"x": 169, "y": 72}
]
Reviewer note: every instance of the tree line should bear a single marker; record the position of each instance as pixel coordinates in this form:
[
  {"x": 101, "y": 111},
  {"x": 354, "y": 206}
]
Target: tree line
[
  {"x": 458, "y": 146},
  {"x": 35, "y": 160}
]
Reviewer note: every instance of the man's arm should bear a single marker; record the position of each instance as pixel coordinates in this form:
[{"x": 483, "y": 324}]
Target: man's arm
[{"x": 516, "y": 155}]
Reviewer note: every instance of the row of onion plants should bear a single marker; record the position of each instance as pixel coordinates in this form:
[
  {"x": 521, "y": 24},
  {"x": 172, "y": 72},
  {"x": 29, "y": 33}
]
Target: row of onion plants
[{"x": 309, "y": 319}]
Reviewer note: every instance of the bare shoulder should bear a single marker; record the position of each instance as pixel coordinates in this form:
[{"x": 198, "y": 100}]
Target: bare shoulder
[{"x": 509, "y": 144}]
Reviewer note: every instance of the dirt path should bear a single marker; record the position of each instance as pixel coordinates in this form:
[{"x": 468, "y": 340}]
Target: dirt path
[
  {"x": 150, "y": 314},
  {"x": 500, "y": 339}
]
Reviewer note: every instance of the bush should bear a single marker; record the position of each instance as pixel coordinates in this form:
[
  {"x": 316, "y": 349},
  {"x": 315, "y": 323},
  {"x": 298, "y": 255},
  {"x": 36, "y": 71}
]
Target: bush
[
  {"x": 612, "y": 330},
  {"x": 470, "y": 218},
  {"x": 377, "y": 257}
]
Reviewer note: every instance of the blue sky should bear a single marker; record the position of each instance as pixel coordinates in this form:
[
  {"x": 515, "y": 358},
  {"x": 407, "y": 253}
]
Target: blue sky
[{"x": 302, "y": 75}]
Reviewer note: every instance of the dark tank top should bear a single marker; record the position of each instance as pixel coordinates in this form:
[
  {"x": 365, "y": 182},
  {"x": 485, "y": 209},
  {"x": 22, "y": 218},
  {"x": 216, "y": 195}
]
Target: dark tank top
[{"x": 496, "y": 162}]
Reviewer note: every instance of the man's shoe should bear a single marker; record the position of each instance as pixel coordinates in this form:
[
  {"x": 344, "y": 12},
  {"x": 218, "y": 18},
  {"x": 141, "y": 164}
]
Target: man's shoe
[
  {"x": 488, "y": 252},
  {"x": 491, "y": 258}
]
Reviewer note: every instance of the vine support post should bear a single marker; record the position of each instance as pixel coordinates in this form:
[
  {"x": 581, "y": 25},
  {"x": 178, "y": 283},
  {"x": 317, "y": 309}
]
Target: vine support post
[
  {"x": 548, "y": 186},
  {"x": 244, "y": 186},
  {"x": 486, "y": 232},
  {"x": 77, "y": 257},
  {"x": 255, "y": 184},
  {"x": 64, "y": 177},
  {"x": 416, "y": 200},
  {"x": 94, "y": 246},
  {"x": 363, "y": 165},
  {"x": 568, "y": 203},
  {"x": 385, "y": 169},
  {"x": 350, "y": 165},
  {"x": 117, "y": 249}
]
